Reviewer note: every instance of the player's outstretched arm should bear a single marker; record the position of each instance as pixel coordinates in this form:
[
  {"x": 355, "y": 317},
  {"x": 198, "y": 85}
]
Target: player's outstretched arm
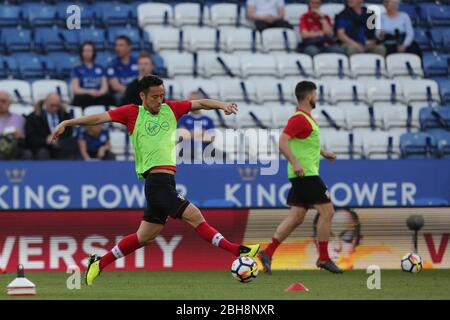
[
  {"x": 90, "y": 120},
  {"x": 287, "y": 152},
  {"x": 209, "y": 104}
]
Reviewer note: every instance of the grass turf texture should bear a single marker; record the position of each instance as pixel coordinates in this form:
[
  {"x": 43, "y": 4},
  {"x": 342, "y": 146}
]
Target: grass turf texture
[{"x": 209, "y": 285}]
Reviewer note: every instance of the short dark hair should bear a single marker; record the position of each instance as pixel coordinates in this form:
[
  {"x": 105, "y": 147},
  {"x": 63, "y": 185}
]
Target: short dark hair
[
  {"x": 145, "y": 55},
  {"x": 149, "y": 81},
  {"x": 303, "y": 88},
  {"x": 94, "y": 53},
  {"x": 125, "y": 38}
]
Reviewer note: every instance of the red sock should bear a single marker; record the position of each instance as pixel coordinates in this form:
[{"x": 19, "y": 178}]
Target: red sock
[
  {"x": 125, "y": 246},
  {"x": 323, "y": 251},
  {"x": 208, "y": 233},
  {"x": 270, "y": 249}
]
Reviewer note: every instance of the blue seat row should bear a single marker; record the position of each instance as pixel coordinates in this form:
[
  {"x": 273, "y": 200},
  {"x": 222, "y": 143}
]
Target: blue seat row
[
  {"x": 55, "y": 65},
  {"x": 41, "y": 14},
  {"x": 422, "y": 145},
  {"x": 49, "y": 39}
]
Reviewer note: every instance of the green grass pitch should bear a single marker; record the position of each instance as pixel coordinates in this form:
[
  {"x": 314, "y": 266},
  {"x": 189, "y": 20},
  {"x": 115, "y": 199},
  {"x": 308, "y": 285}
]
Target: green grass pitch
[{"x": 211, "y": 285}]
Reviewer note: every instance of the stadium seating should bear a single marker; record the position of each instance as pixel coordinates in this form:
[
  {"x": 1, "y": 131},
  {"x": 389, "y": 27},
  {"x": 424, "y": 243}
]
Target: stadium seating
[
  {"x": 219, "y": 65},
  {"x": 19, "y": 90},
  {"x": 417, "y": 145},
  {"x": 225, "y": 14},
  {"x": 434, "y": 118},
  {"x": 278, "y": 39},
  {"x": 404, "y": 65},
  {"x": 213, "y": 47},
  {"x": 208, "y": 88},
  {"x": 331, "y": 65},
  {"x": 190, "y": 14},
  {"x": 10, "y": 15},
  {"x": 381, "y": 145},
  {"x": 41, "y": 88},
  {"x": 154, "y": 14},
  {"x": 258, "y": 65},
  {"x": 294, "y": 65},
  {"x": 368, "y": 66}
]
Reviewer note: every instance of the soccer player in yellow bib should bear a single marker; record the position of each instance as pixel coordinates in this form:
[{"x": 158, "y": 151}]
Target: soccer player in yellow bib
[
  {"x": 300, "y": 144},
  {"x": 152, "y": 128}
]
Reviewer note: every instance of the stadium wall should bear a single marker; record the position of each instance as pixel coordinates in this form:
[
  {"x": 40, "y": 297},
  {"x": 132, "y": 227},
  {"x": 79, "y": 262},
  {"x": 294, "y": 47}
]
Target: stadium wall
[
  {"x": 113, "y": 185},
  {"x": 52, "y": 240}
]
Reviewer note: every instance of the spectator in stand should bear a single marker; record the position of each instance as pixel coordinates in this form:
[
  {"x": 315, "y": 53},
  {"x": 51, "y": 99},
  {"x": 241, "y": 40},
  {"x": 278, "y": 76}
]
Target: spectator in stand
[
  {"x": 316, "y": 29},
  {"x": 89, "y": 82},
  {"x": 145, "y": 67},
  {"x": 94, "y": 143},
  {"x": 353, "y": 30},
  {"x": 122, "y": 69},
  {"x": 267, "y": 14},
  {"x": 12, "y": 131},
  {"x": 39, "y": 124},
  {"x": 397, "y": 33},
  {"x": 197, "y": 131}
]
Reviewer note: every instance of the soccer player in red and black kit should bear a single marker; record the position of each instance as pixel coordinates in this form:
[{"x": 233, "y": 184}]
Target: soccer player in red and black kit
[
  {"x": 300, "y": 144},
  {"x": 152, "y": 127}
]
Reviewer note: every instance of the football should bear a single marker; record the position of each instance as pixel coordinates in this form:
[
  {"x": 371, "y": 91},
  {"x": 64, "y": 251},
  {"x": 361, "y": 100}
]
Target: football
[
  {"x": 412, "y": 262},
  {"x": 244, "y": 269}
]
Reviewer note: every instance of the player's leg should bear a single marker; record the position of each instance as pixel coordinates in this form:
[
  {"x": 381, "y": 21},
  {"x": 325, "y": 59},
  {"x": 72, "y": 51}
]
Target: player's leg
[
  {"x": 146, "y": 233},
  {"x": 295, "y": 218},
  {"x": 326, "y": 211},
  {"x": 194, "y": 217}
]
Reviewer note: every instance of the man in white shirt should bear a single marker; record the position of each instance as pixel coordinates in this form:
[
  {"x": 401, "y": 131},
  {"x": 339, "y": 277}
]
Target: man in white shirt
[{"x": 267, "y": 14}]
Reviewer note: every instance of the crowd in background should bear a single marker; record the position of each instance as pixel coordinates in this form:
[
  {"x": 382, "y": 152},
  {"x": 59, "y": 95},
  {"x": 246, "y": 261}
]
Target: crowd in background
[{"x": 117, "y": 84}]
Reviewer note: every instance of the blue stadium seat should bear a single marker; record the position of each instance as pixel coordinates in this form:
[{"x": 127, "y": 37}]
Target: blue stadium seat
[
  {"x": 434, "y": 117},
  {"x": 437, "y": 38},
  {"x": 133, "y": 33},
  {"x": 438, "y": 202},
  {"x": 40, "y": 14},
  {"x": 116, "y": 14},
  {"x": 64, "y": 62},
  {"x": 435, "y": 64},
  {"x": 10, "y": 16},
  {"x": 411, "y": 11},
  {"x": 33, "y": 66},
  {"x": 88, "y": 15},
  {"x": 418, "y": 145},
  {"x": 9, "y": 67},
  {"x": 49, "y": 39},
  {"x": 95, "y": 35},
  {"x": 104, "y": 58},
  {"x": 442, "y": 137},
  {"x": 218, "y": 203},
  {"x": 438, "y": 15},
  {"x": 160, "y": 67},
  {"x": 423, "y": 38},
  {"x": 444, "y": 88},
  {"x": 16, "y": 39}
]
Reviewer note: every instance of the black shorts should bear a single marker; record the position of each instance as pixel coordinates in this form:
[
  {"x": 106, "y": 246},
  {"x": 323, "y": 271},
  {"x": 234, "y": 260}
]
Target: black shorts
[
  {"x": 163, "y": 200},
  {"x": 308, "y": 191}
]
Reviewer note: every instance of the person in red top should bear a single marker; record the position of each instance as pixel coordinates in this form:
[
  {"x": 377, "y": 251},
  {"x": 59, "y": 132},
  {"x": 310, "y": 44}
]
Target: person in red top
[
  {"x": 316, "y": 30},
  {"x": 163, "y": 200}
]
